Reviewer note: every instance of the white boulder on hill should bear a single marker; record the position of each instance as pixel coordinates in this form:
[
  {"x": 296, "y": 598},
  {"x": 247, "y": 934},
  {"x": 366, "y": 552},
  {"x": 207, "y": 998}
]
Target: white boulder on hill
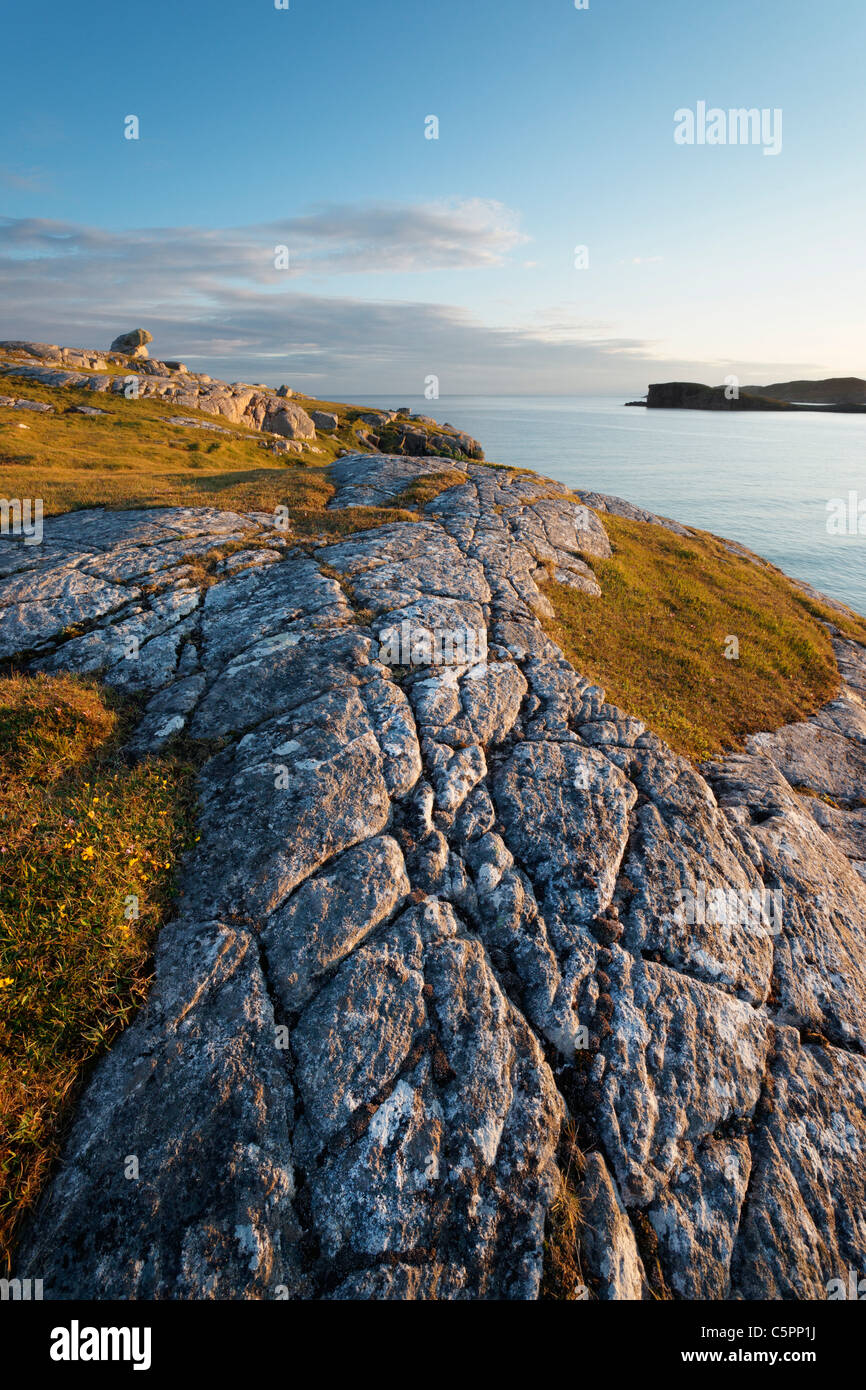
[{"x": 133, "y": 343}]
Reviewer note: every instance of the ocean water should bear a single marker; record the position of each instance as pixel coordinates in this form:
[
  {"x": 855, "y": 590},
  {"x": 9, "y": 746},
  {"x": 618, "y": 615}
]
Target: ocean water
[{"x": 763, "y": 480}]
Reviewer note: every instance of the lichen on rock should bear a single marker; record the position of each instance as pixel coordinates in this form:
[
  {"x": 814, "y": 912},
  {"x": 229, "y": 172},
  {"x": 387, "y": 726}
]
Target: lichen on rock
[{"x": 436, "y": 912}]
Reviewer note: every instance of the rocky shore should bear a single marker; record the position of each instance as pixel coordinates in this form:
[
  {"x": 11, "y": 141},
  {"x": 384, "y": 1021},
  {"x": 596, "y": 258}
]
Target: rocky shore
[{"x": 447, "y": 924}]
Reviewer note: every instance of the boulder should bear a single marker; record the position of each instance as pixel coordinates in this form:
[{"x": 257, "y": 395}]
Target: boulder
[
  {"x": 133, "y": 344},
  {"x": 325, "y": 420},
  {"x": 291, "y": 421}
]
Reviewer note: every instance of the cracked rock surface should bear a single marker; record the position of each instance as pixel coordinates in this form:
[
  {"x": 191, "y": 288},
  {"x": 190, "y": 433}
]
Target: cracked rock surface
[{"x": 436, "y": 916}]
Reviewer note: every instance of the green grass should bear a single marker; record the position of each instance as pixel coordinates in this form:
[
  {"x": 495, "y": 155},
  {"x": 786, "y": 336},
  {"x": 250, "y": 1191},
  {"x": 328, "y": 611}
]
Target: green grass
[
  {"x": 656, "y": 638},
  {"x": 80, "y": 834},
  {"x": 133, "y": 457}
]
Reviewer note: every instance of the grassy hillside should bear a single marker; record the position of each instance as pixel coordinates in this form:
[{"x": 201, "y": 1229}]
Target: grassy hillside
[
  {"x": 132, "y": 456},
  {"x": 656, "y": 639}
]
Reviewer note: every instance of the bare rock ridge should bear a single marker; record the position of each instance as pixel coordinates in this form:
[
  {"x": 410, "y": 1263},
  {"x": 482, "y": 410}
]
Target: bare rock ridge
[
  {"x": 257, "y": 407},
  {"x": 434, "y": 923}
]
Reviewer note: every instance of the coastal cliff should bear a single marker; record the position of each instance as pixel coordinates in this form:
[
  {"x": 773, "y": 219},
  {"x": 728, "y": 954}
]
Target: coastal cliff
[
  {"x": 473, "y": 988},
  {"x": 839, "y": 395}
]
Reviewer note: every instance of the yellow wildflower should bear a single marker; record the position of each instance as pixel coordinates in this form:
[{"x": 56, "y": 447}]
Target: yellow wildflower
[{"x": 88, "y": 853}]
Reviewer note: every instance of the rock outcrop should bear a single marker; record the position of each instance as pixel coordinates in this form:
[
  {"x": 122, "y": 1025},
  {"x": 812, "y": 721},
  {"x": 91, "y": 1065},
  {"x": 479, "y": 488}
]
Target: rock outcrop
[
  {"x": 133, "y": 344},
  {"x": 441, "y": 913},
  {"x": 254, "y": 406}
]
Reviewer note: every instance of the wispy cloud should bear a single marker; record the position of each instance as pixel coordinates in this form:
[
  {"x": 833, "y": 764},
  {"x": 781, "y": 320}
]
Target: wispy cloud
[
  {"x": 23, "y": 180},
  {"x": 213, "y": 297},
  {"x": 472, "y": 234}
]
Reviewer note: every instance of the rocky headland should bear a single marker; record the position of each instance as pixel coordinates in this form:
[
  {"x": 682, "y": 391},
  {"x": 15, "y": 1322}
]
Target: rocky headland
[
  {"x": 842, "y": 395},
  {"x": 462, "y": 946}
]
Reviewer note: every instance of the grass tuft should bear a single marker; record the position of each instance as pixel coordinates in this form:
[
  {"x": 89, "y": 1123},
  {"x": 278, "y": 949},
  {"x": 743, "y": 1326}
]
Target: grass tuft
[
  {"x": 562, "y": 1278},
  {"x": 656, "y": 639},
  {"x": 81, "y": 834}
]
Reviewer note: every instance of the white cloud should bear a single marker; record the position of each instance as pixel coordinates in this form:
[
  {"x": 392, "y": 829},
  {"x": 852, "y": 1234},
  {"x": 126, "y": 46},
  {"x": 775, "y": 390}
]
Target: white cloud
[{"x": 213, "y": 298}]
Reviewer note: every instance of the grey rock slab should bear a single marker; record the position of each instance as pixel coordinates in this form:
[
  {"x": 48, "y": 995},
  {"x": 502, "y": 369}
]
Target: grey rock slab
[
  {"x": 565, "y": 809},
  {"x": 292, "y": 599},
  {"x": 125, "y": 646},
  {"x": 354, "y": 1038},
  {"x": 391, "y": 717},
  {"x": 502, "y": 1117},
  {"x": 97, "y": 529},
  {"x": 617, "y": 506},
  {"x": 851, "y": 660},
  {"x": 279, "y": 673},
  {"x": 567, "y": 527},
  {"x": 820, "y": 951},
  {"x": 697, "y": 1217},
  {"x": 166, "y": 715},
  {"x": 197, "y": 1092},
  {"x": 394, "y": 544},
  {"x": 441, "y": 571},
  {"x": 608, "y": 1246},
  {"x": 125, "y": 564},
  {"x": 363, "y": 481},
  {"x": 506, "y": 915},
  {"x": 818, "y": 758},
  {"x": 469, "y": 1142},
  {"x": 804, "y": 1220},
  {"x": 819, "y": 964},
  {"x": 330, "y": 915},
  {"x": 491, "y": 694},
  {"x": 681, "y": 1058},
  {"x": 437, "y": 629},
  {"x": 453, "y": 772},
  {"x": 847, "y": 829},
  {"x": 377, "y": 1197},
  {"x": 36, "y": 606},
  {"x": 691, "y": 896},
  {"x": 279, "y": 804}
]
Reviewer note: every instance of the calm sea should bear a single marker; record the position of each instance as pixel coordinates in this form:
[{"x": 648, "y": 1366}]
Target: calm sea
[{"x": 763, "y": 480}]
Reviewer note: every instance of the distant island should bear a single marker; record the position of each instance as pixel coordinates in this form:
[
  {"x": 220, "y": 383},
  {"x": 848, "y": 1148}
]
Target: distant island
[{"x": 844, "y": 395}]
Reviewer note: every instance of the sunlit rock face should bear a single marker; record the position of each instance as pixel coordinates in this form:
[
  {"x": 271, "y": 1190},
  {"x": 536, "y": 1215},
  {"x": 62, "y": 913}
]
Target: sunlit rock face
[{"x": 448, "y": 904}]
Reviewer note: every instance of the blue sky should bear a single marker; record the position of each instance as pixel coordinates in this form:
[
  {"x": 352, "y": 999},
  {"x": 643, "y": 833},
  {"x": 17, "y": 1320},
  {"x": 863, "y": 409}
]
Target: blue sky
[{"x": 454, "y": 257}]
